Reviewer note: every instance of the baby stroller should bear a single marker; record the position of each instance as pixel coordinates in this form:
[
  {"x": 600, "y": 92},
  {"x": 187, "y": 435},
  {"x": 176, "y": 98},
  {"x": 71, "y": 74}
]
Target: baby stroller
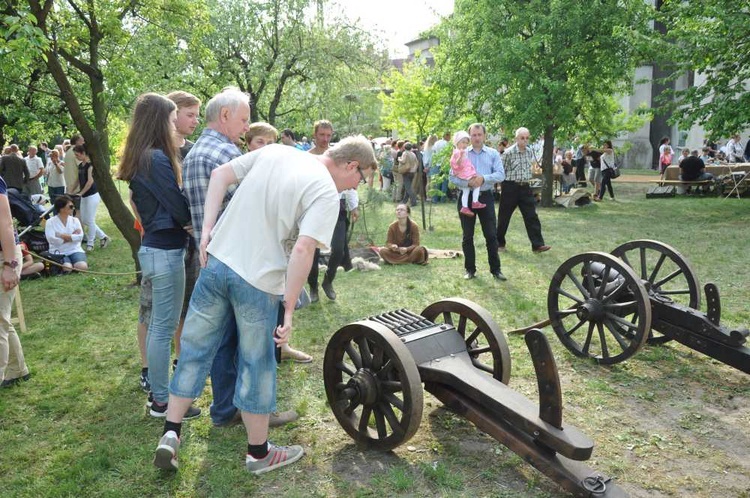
[{"x": 28, "y": 215}]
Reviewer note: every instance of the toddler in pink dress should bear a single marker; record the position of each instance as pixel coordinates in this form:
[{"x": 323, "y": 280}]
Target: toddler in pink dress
[{"x": 462, "y": 168}]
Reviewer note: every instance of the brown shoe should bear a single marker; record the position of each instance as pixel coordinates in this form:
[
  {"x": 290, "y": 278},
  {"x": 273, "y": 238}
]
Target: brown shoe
[
  {"x": 235, "y": 420},
  {"x": 296, "y": 356},
  {"x": 541, "y": 249},
  {"x": 277, "y": 419}
]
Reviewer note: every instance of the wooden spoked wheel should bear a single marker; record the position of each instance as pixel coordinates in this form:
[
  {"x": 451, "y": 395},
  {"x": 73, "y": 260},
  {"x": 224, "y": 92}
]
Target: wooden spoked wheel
[
  {"x": 598, "y": 307},
  {"x": 485, "y": 342},
  {"x": 373, "y": 385},
  {"x": 664, "y": 272}
]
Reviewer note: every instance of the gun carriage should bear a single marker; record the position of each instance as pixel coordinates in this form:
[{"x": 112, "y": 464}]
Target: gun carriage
[
  {"x": 606, "y": 306},
  {"x": 374, "y": 370}
]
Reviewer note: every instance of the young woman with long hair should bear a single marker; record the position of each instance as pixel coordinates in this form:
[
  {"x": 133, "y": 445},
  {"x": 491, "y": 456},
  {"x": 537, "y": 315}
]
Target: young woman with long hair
[
  {"x": 150, "y": 162},
  {"x": 90, "y": 199}
]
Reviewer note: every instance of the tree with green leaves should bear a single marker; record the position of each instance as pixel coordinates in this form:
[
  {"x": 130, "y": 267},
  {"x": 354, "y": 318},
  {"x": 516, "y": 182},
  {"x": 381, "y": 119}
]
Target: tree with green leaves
[
  {"x": 100, "y": 55},
  {"x": 294, "y": 66},
  {"x": 411, "y": 100},
  {"x": 543, "y": 64},
  {"x": 709, "y": 42}
]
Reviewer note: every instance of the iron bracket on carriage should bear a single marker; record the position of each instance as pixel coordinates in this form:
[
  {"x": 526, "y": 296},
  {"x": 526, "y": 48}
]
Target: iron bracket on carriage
[
  {"x": 606, "y": 306},
  {"x": 374, "y": 370}
]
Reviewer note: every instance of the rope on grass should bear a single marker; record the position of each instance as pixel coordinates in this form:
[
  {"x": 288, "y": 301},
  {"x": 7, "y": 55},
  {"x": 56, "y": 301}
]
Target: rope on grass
[
  {"x": 55, "y": 263},
  {"x": 538, "y": 325}
]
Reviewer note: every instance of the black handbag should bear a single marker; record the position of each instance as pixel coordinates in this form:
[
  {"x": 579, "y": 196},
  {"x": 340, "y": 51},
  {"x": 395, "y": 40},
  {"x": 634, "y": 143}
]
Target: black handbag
[
  {"x": 50, "y": 268},
  {"x": 612, "y": 171}
]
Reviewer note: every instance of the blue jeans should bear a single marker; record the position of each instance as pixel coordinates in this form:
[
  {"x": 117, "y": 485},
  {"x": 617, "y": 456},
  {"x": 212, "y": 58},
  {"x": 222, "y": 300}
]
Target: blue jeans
[
  {"x": 165, "y": 269},
  {"x": 74, "y": 258},
  {"x": 220, "y": 295},
  {"x": 224, "y": 368},
  {"x": 54, "y": 193},
  {"x": 224, "y": 373}
]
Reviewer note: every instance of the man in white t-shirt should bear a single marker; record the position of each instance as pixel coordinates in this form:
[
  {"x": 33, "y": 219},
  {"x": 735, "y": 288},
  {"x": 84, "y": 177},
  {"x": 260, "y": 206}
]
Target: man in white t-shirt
[
  {"x": 735, "y": 150},
  {"x": 255, "y": 261},
  {"x": 36, "y": 170}
]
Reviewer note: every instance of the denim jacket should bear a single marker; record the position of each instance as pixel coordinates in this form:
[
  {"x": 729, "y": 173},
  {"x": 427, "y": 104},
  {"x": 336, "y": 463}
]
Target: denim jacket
[{"x": 161, "y": 204}]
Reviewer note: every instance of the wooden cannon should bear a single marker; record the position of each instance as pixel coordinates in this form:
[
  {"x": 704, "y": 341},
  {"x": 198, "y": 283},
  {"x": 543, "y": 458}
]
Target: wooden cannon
[
  {"x": 374, "y": 370},
  {"x": 606, "y": 306}
]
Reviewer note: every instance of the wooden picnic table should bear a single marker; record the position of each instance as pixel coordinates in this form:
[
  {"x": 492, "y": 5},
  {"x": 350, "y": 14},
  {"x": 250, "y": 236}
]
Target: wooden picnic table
[{"x": 673, "y": 172}]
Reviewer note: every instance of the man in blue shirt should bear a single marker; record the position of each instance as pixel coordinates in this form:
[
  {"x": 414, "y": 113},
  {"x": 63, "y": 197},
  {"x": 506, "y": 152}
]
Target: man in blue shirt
[{"x": 489, "y": 166}]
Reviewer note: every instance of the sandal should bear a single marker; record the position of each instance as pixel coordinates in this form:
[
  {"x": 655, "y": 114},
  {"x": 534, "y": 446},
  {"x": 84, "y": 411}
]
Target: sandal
[{"x": 296, "y": 356}]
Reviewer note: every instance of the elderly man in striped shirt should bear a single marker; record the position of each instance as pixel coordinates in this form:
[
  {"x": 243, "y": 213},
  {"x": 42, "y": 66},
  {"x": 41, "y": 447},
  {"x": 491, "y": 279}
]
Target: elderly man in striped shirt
[
  {"x": 489, "y": 166},
  {"x": 516, "y": 192}
]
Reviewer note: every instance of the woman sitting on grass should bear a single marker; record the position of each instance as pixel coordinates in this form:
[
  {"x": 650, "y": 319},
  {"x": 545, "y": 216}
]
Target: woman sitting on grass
[
  {"x": 402, "y": 245},
  {"x": 64, "y": 234}
]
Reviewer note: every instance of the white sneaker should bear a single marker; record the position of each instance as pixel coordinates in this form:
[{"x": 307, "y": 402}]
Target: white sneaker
[
  {"x": 166, "y": 453},
  {"x": 278, "y": 456}
]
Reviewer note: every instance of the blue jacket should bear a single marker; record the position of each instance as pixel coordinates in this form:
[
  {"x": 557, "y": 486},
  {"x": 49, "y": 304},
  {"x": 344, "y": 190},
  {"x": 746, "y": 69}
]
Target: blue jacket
[{"x": 161, "y": 204}]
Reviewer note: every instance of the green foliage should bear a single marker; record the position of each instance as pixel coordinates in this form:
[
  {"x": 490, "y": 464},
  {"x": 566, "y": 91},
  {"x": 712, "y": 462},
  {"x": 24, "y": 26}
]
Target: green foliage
[
  {"x": 710, "y": 39},
  {"x": 553, "y": 63},
  {"x": 296, "y": 68},
  {"x": 412, "y": 109},
  {"x": 442, "y": 160},
  {"x": 556, "y": 56}
]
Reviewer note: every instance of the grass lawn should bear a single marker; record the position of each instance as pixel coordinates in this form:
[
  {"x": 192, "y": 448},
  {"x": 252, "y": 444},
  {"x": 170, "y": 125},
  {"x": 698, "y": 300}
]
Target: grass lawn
[{"x": 667, "y": 422}]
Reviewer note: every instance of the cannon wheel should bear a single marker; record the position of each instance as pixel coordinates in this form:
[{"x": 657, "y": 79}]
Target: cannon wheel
[
  {"x": 373, "y": 385},
  {"x": 664, "y": 272},
  {"x": 485, "y": 342},
  {"x": 606, "y": 322}
]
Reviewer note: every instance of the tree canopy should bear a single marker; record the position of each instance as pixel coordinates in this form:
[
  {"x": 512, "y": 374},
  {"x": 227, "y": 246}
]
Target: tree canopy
[
  {"x": 412, "y": 106},
  {"x": 287, "y": 59},
  {"x": 710, "y": 38},
  {"x": 542, "y": 64}
]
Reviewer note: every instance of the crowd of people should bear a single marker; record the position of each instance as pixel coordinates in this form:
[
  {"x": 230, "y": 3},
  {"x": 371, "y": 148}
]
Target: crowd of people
[
  {"x": 574, "y": 166},
  {"x": 225, "y": 296}
]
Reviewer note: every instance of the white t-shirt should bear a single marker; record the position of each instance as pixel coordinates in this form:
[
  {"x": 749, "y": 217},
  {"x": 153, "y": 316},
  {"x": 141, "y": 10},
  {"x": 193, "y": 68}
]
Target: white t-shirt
[
  {"x": 34, "y": 164},
  {"x": 55, "y": 178},
  {"x": 284, "y": 193}
]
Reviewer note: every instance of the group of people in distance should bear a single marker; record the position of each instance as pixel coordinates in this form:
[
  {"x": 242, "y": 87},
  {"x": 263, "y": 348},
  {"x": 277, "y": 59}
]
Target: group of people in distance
[
  {"x": 64, "y": 231},
  {"x": 732, "y": 152}
]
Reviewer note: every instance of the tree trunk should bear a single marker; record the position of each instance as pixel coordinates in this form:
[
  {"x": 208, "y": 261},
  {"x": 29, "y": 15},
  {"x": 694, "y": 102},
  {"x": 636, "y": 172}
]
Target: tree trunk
[
  {"x": 548, "y": 166},
  {"x": 98, "y": 146}
]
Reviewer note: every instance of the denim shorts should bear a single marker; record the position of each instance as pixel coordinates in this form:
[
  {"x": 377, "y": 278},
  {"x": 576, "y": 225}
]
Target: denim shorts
[
  {"x": 74, "y": 258},
  {"x": 219, "y": 294}
]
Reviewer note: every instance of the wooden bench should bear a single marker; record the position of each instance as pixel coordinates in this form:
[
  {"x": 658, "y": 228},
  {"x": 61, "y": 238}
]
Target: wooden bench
[
  {"x": 684, "y": 185},
  {"x": 19, "y": 319}
]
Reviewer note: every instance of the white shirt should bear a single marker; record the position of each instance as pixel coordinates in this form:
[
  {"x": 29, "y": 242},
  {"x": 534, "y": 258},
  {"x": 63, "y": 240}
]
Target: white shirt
[
  {"x": 439, "y": 145},
  {"x": 735, "y": 151},
  {"x": 34, "y": 164},
  {"x": 57, "y": 245},
  {"x": 283, "y": 193},
  {"x": 352, "y": 199},
  {"x": 54, "y": 177}
]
